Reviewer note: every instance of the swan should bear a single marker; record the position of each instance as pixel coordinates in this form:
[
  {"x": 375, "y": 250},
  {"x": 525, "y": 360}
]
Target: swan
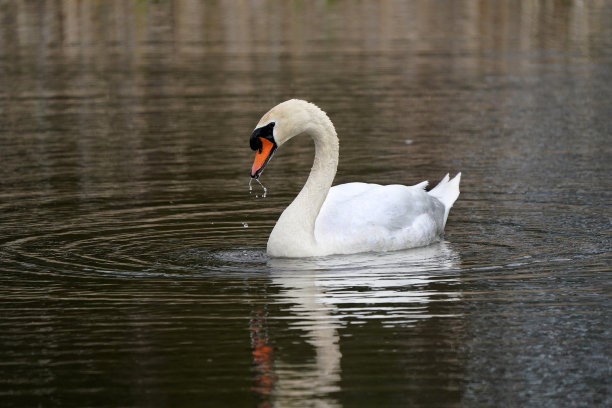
[{"x": 347, "y": 218}]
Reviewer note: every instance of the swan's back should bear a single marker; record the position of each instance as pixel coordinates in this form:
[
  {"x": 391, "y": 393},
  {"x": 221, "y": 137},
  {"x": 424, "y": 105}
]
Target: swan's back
[{"x": 358, "y": 217}]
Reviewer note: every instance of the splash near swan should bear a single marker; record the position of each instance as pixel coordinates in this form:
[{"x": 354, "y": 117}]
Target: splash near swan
[{"x": 262, "y": 186}]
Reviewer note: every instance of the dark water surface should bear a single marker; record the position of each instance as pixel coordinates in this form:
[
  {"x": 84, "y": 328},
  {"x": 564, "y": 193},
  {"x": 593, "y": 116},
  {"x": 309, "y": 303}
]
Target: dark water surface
[{"x": 132, "y": 256}]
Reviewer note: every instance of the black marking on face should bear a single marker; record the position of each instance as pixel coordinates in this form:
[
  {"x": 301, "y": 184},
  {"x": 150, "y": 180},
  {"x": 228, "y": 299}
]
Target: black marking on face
[
  {"x": 263, "y": 166},
  {"x": 267, "y": 132}
]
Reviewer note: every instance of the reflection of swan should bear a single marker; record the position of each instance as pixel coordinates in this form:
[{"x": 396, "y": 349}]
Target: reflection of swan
[
  {"x": 347, "y": 218},
  {"x": 324, "y": 294},
  {"x": 398, "y": 277},
  {"x": 314, "y": 380}
]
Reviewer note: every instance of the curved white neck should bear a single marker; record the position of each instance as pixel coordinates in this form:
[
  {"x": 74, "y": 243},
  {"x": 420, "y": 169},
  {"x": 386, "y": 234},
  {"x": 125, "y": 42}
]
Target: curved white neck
[{"x": 294, "y": 233}]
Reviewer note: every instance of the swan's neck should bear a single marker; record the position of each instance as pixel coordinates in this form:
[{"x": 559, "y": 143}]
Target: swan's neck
[{"x": 294, "y": 233}]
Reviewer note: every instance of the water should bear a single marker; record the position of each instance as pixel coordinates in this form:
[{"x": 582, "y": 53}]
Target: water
[
  {"x": 128, "y": 277},
  {"x": 265, "y": 190}
]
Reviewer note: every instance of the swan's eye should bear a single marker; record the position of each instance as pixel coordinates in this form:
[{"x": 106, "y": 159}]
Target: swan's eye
[{"x": 266, "y": 132}]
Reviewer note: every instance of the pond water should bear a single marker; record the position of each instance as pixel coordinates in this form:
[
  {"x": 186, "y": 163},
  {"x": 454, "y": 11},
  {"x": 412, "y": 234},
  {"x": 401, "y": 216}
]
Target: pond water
[{"x": 132, "y": 256}]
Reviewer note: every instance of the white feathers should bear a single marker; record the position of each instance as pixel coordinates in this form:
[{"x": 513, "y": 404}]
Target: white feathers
[
  {"x": 447, "y": 192},
  {"x": 353, "y": 217}
]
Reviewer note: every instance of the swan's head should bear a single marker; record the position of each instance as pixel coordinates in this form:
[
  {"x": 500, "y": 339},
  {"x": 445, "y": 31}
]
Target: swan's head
[
  {"x": 278, "y": 125},
  {"x": 264, "y": 144}
]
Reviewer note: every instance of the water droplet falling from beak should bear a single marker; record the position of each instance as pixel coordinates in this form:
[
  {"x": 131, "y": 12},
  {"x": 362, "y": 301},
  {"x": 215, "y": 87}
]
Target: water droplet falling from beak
[{"x": 262, "y": 186}]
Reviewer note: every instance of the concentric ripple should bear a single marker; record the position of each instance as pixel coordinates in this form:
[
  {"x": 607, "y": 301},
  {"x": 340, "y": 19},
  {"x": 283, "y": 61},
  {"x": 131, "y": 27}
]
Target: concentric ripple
[{"x": 154, "y": 240}]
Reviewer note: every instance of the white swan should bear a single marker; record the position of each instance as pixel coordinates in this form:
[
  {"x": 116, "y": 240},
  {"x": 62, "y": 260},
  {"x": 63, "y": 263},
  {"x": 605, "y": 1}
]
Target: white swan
[{"x": 347, "y": 218}]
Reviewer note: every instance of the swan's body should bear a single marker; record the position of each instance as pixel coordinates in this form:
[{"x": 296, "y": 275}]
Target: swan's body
[{"x": 348, "y": 218}]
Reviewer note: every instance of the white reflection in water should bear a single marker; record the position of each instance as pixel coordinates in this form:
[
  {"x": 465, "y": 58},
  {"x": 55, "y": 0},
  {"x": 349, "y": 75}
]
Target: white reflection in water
[{"x": 325, "y": 294}]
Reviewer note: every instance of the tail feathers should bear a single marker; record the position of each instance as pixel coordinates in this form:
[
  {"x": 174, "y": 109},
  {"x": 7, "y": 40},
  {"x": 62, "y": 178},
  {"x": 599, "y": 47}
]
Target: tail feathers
[{"x": 447, "y": 192}]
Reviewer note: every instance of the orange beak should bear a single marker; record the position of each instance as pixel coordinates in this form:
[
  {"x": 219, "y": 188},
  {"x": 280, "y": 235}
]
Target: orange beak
[{"x": 262, "y": 157}]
